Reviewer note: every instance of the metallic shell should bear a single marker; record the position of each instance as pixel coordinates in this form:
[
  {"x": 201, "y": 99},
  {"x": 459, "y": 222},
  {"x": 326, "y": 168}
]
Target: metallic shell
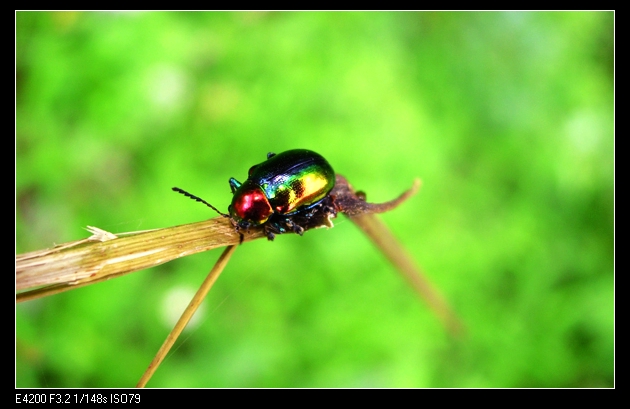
[{"x": 293, "y": 179}]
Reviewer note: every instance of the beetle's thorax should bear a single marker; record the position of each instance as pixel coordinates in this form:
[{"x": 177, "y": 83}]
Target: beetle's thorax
[{"x": 250, "y": 204}]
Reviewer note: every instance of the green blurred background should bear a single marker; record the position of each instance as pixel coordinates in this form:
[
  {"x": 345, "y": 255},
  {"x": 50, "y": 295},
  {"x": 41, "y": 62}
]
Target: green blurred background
[{"x": 506, "y": 117}]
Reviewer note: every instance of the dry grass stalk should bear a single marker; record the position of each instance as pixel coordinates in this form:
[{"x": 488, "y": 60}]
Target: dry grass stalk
[
  {"x": 187, "y": 314},
  {"x": 382, "y": 237},
  {"x": 104, "y": 255}
]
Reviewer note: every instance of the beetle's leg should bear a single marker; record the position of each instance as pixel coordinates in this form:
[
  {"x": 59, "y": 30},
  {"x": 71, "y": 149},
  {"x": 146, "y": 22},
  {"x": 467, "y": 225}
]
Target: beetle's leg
[
  {"x": 234, "y": 184},
  {"x": 274, "y": 226},
  {"x": 268, "y": 231},
  {"x": 298, "y": 229},
  {"x": 270, "y": 155}
]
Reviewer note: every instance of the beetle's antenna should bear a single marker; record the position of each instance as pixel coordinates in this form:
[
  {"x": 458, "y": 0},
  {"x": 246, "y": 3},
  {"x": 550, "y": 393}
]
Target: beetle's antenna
[{"x": 198, "y": 199}]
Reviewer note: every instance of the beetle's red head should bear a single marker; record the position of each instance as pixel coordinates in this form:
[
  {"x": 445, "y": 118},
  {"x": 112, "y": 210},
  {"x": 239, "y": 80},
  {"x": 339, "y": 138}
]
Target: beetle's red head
[{"x": 250, "y": 204}]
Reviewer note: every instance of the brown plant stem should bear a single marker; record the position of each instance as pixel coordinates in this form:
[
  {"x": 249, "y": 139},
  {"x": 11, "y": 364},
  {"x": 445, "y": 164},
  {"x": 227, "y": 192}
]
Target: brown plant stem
[
  {"x": 382, "y": 237},
  {"x": 104, "y": 256},
  {"x": 187, "y": 314}
]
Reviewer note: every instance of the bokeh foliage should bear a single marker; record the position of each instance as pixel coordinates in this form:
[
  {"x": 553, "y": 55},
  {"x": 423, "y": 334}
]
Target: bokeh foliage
[{"x": 506, "y": 117}]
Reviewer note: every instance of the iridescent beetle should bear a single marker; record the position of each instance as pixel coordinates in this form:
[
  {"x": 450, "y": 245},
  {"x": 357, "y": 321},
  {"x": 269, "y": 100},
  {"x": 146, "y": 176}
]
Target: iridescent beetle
[{"x": 280, "y": 194}]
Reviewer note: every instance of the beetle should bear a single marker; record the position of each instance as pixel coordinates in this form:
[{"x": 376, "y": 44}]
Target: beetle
[{"x": 290, "y": 191}]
